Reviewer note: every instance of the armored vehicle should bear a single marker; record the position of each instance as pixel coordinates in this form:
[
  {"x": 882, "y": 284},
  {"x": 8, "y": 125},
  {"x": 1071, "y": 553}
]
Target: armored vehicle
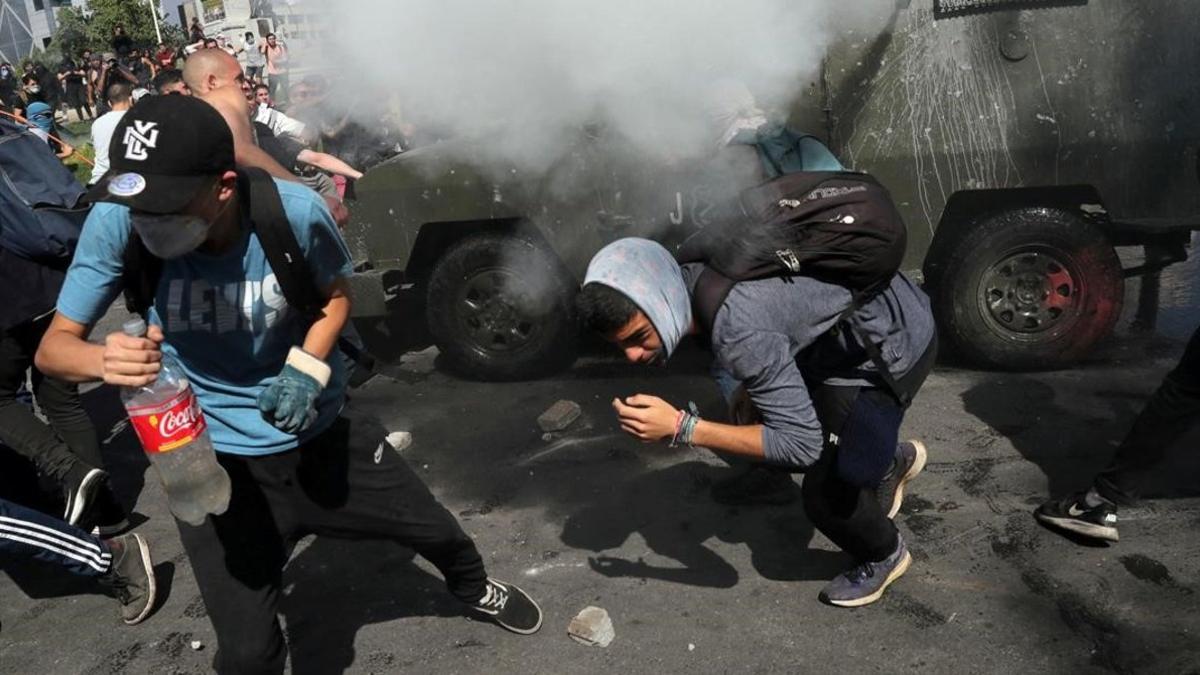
[{"x": 1023, "y": 141}]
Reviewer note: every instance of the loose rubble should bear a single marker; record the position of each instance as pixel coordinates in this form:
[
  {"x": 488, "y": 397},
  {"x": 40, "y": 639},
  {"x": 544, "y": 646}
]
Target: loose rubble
[
  {"x": 399, "y": 440},
  {"x": 592, "y": 627},
  {"x": 559, "y": 416}
]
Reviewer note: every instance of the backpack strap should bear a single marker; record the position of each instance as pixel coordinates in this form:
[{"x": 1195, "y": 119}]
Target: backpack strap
[
  {"x": 140, "y": 275},
  {"x": 709, "y": 293},
  {"x": 902, "y": 394},
  {"x": 292, "y": 271},
  {"x": 283, "y": 252},
  {"x": 712, "y": 289}
]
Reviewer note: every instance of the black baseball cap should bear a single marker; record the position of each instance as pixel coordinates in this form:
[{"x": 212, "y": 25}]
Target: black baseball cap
[{"x": 163, "y": 151}]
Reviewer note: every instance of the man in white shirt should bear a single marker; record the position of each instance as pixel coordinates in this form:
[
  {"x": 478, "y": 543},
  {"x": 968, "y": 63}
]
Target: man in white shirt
[
  {"x": 266, "y": 113},
  {"x": 120, "y": 99}
]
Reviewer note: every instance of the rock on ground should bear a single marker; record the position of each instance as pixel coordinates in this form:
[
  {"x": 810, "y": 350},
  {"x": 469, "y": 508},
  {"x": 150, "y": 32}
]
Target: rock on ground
[
  {"x": 592, "y": 627},
  {"x": 559, "y": 416}
]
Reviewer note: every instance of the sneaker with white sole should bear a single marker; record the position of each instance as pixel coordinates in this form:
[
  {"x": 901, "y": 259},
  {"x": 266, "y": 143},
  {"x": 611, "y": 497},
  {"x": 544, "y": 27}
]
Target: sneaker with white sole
[
  {"x": 866, "y": 583},
  {"x": 132, "y": 577},
  {"x": 81, "y": 485},
  {"x": 510, "y": 607},
  {"x": 910, "y": 461},
  {"x": 1072, "y": 513}
]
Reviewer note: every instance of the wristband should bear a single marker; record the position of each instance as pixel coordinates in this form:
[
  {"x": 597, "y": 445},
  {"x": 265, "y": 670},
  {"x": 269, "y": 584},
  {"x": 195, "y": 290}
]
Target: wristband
[{"x": 309, "y": 365}]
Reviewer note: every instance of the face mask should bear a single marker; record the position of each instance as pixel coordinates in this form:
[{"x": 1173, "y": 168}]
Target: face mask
[
  {"x": 33, "y": 89},
  {"x": 170, "y": 236}
]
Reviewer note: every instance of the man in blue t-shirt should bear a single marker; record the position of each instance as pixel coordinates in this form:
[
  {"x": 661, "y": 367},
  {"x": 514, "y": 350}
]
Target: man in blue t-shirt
[{"x": 261, "y": 372}]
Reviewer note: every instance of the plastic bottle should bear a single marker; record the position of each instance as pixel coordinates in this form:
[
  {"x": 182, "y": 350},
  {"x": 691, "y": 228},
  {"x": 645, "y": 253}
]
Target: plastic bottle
[{"x": 171, "y": 427}]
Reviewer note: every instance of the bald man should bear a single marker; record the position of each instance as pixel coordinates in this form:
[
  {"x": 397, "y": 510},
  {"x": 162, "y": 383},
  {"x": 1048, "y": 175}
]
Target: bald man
[{"x": 217, "y": 79}]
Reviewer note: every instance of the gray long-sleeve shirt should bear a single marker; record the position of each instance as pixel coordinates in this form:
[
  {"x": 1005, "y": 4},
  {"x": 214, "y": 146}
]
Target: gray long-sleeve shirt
[{"x": 768, "y": 329}]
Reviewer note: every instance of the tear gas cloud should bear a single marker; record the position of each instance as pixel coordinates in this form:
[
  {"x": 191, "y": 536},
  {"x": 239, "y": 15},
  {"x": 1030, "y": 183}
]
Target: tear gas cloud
[{"x": 524, "y": 74}]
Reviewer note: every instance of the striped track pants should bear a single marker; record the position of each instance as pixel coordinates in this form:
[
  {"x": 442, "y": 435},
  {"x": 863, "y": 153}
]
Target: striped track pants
[{"x": 25, "y": 533}]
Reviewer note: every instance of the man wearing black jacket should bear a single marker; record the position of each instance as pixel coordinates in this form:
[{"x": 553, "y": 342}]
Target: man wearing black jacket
[{"x": 67, "y": 452}]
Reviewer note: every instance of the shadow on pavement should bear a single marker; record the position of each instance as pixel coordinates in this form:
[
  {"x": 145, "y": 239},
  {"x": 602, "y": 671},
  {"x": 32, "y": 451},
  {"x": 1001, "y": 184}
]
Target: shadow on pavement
[
  {"x": 671, "y": 510},
  {"x": 334, "y": 587},
  {"x": 1071, "y": 435}
]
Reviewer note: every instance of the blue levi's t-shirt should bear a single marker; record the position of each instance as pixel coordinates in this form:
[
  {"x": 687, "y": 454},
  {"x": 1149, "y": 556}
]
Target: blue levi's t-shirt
[{"x": 224, "y": 317}]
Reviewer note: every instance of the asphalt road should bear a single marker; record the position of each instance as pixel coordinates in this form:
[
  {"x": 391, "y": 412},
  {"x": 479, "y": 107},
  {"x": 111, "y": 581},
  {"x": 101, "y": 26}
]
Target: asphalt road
[{"x": 590, "y": 517}]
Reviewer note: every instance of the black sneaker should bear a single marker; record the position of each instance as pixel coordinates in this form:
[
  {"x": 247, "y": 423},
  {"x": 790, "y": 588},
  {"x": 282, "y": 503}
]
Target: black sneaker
[
  {"x": 132, "y": 577},
  {"x": 107, "y": 516},
  {"x": 1072, "y": 513},
  {"x": 81, "y": 485},
  {"x": 866, "y": 583},
  {"x": 910, "y": 460},
  {"x": 757, "y": 485},
  {"x": 510, "y": 607}
]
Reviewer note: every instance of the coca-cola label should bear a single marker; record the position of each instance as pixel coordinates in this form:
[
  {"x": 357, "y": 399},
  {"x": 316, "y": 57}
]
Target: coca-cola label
[{"x": 171, "y": 425}]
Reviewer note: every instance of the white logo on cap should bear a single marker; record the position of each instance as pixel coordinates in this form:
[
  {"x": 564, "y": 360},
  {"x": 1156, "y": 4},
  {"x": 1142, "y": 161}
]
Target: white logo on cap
[
  {"x": 126, "y": 185},
  {"x": 138, "y": 137}
]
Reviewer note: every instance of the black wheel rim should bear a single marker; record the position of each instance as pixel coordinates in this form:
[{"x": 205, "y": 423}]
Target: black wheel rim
[
  {"x": 1032, "y": 294},
  {"x": 493, "y": 313}
]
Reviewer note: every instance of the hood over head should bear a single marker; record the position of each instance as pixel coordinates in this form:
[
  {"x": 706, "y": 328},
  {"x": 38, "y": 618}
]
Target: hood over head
[{"x": 646, "y": 273}]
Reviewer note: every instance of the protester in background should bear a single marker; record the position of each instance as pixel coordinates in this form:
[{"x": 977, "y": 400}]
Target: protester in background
[
  {"x": 31, "y": 91},
  {"x": 120, "y": 98},
  {"x": 141, "y": 67},
  {"x": 8, "y": 85},
  {"x": 218, "y": 80},
  {"x": 170, "y": 81},
  {"x": 110, "y": 74},
  {"x": 813, "y": 400},
  {"x": 73, "y": 78},
  {"x": 67, "y": 450},
  {"x": 196, "y": 31},
  {"x": 165, "y": 57},
  {"x": 1171, "y": 415},
  {"x": 51, "y": 90},
  {"x": 281, "y": 393},
  {"x": 279, "y": 123},
  {"x": 276, "y": 54},
  {"x": 223, "y": 45},
  {"x": 41, "y": 119},
  {"x": 210, "y": 43},
  {"x": 252, "y": 59},
  {"x": 123, "y": 564},
  {"x": 120, "y": 43},
  {"x": 94, "y": 93}
]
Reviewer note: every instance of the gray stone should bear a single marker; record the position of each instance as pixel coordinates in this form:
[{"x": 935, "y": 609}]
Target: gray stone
[
  {"x": 592, "y": 627},
  {"x": 399, "y": 440},
  {"x": 421, "y": 363},
  {"x": 559, "y": 416}
]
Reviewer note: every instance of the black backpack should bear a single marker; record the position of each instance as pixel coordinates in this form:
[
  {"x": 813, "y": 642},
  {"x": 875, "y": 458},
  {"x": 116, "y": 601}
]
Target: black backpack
[
  {"x": 42, "y": 206},
  {"x": 838, "y": 227},
  {"x": 261, "y": 200}
]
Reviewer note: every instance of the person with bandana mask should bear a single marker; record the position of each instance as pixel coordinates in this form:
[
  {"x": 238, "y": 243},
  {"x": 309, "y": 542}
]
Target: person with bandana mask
[
  {"x": 41, "y": 119},
  {"x": 810, "y": 402},
  {"x": 262, "y": 373}
]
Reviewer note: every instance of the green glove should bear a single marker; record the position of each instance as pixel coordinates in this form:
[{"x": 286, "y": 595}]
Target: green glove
[{"x": 290, "y": 402}]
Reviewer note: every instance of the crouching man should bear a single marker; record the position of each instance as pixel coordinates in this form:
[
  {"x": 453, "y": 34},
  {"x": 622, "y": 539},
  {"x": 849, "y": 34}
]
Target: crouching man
[
  {"x": 824, "y": 408},
  {"x": 262, "y": 373}
]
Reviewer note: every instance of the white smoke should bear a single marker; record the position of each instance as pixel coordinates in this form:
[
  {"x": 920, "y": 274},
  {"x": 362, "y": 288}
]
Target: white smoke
[{"x": 526, "y": 74}]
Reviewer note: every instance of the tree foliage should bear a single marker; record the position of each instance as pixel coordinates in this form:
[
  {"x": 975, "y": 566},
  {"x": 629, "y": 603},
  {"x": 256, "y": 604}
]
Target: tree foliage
[{"x": 93, "y": 30}]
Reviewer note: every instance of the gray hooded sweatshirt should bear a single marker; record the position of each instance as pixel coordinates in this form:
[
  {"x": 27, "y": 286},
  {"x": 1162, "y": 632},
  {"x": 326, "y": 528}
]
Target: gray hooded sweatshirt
[{"x": 770, "y": 329}]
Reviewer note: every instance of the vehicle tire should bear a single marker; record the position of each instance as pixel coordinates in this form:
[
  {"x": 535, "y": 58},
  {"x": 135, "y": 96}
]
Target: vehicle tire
[
  {"x": 1028, "y": 289},
  {"x": 499, "y": 307}
]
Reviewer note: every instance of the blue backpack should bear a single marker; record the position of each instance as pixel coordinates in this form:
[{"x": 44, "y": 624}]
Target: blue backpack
[
  {"x": 785, "y": 151},
  {"x": 42, "y": 206}
]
